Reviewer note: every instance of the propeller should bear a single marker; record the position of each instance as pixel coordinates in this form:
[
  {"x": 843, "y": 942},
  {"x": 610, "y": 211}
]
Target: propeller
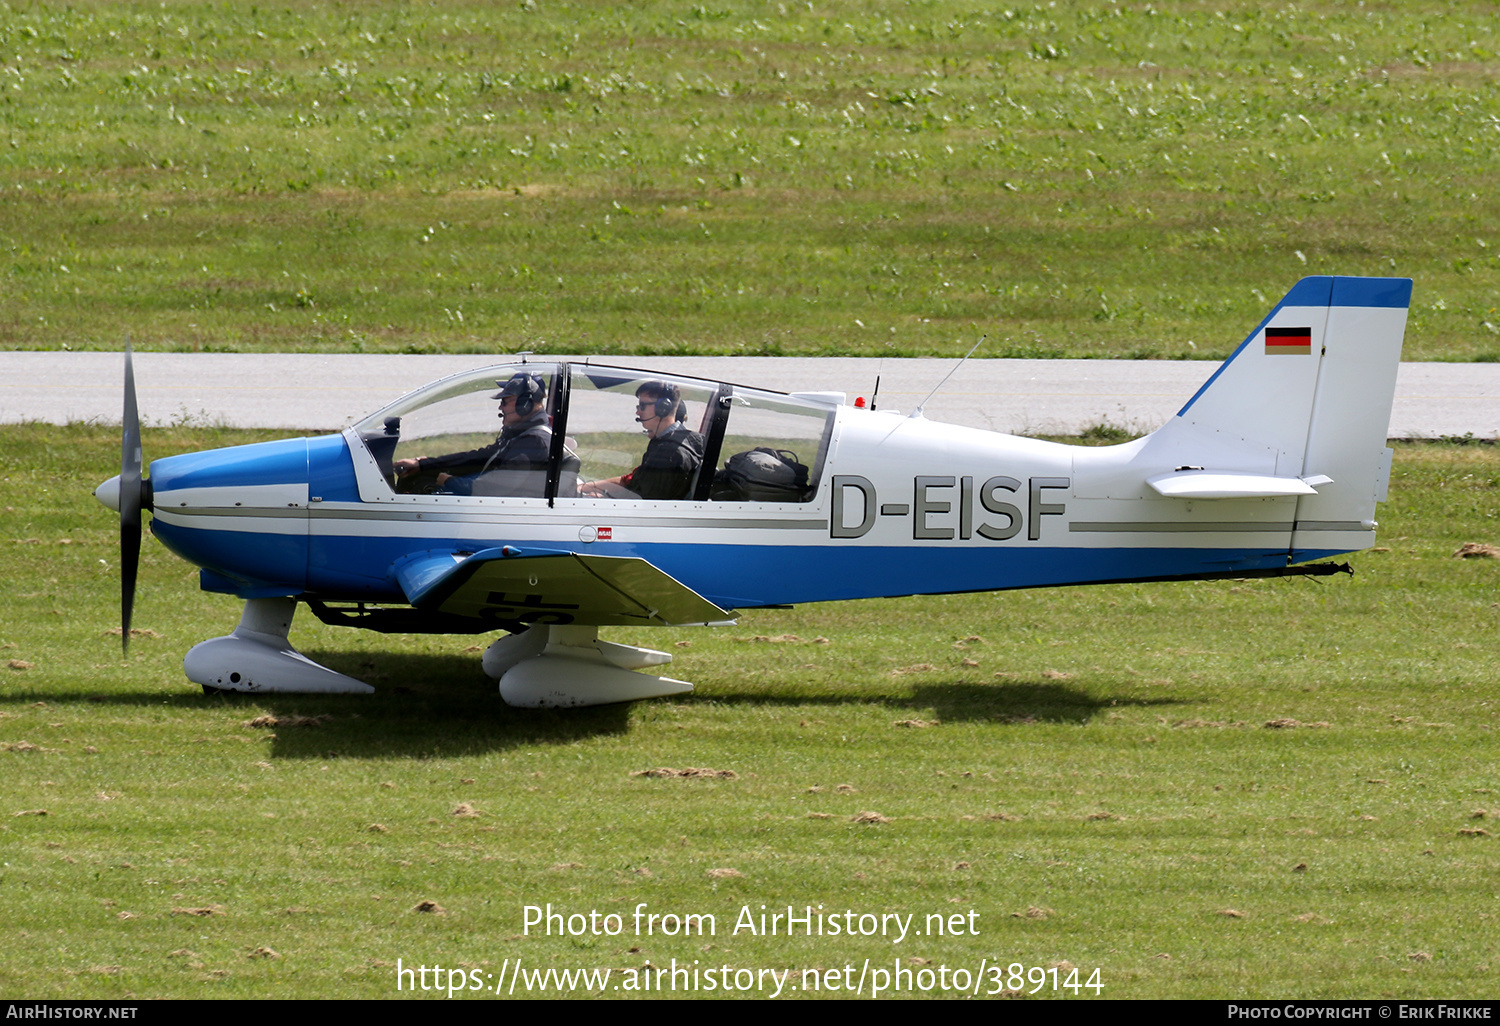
[{"x": 132, "y": 498}]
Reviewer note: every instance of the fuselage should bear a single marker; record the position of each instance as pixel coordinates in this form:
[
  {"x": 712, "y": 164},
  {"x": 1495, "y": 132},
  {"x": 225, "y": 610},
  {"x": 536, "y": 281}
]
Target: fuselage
[{"x": 895, "y": 505}]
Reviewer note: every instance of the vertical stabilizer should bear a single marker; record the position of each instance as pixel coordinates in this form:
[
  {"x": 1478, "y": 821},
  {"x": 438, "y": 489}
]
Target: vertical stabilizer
[
  {"x": 1260, "y": 399},
  {"x": 1305, "y": 398}
]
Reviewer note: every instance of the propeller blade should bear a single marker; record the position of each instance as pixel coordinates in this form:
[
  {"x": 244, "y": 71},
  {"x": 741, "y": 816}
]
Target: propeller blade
[{"x": 130, "y": 503}]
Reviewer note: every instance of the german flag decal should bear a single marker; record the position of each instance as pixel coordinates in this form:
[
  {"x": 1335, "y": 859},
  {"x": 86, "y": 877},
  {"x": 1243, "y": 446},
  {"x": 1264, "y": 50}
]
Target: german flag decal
[{"x": 1288, "y": 341}]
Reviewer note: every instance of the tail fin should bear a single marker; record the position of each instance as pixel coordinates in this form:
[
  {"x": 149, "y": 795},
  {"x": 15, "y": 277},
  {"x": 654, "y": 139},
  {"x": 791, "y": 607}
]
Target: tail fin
[{"x": 1308, "y": 396}]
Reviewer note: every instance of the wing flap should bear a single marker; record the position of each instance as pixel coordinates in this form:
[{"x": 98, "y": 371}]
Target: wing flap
[{"x": 506, "y": 584}]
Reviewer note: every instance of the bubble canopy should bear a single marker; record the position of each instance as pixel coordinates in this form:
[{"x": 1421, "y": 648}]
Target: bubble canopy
[{"x": 605, "y": 424}]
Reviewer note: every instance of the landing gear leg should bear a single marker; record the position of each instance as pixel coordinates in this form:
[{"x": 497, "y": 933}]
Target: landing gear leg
[
  {"x": 258, "y": 658},
  {"x": 564, "y": 667}
]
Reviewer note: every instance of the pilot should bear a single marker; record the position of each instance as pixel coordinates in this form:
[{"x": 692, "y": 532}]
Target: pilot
[
  {"x": 515, "y": 464},
  {"x": 672, "y": 457}
]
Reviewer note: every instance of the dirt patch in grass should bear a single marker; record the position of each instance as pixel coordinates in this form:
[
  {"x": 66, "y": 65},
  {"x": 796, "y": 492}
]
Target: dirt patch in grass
[
  {"x": 724, "y": 873},
  {"x": 431, "y": 907},
  {"x": 289, "y": 721},
  {"x": 203, "y": 911},
  {"x": 1477, "y": 550},
  {"x": 869, "y": 818},
  {"x": 916, "y": 723},
  {"x": 785, "y": 639},
  {"x": 698, "y": 772}
]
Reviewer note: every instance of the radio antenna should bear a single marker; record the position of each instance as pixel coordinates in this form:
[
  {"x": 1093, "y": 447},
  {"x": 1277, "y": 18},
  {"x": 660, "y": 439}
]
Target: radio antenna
[{"x": 923, "y": 404}]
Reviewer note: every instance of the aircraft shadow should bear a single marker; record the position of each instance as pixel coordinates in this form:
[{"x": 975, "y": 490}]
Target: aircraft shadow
[
  {"x": 437, "y": 706},
  {"x": 1017, "y": 702},
  {"x": 424, "y": 706}
]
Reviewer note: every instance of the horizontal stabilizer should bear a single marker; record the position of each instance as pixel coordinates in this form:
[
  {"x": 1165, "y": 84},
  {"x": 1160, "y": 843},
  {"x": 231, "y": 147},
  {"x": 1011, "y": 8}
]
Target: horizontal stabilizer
[
  {"x": 508, "y": 585},
  {"x": 1229, "y": 484}
]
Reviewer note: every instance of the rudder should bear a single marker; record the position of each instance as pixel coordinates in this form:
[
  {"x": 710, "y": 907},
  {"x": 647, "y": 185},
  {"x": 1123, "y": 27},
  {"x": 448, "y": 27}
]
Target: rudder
[{"x": 1351, "y": 415}]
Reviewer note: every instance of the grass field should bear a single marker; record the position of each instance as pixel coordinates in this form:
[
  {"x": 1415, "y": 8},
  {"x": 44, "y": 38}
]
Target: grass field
[
  {"x": 1230, "y": 789},
  {"x": 1252, "y": 789},
  {"x": 1090, "y": 179}
]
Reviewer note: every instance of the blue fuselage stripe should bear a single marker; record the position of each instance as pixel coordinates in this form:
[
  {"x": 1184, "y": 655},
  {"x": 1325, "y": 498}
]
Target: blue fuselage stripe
[{"x": 734, "y": 575}]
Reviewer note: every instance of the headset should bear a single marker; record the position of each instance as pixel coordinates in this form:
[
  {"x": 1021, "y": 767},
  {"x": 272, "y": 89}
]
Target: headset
[
  {"x": 668, "y": 399},
  {"x": 527, "y": 388}
]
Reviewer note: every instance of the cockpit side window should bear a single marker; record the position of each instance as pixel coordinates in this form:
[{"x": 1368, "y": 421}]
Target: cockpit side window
[
  {"x": 772, "y": 449},
  {"x": 638, "y": 436},
  {"x": 486, "y": 433}
]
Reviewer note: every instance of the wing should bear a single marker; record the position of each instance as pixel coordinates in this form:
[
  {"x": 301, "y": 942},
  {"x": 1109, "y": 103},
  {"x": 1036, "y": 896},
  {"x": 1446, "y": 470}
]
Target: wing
[{"x": 510, "y": 586}]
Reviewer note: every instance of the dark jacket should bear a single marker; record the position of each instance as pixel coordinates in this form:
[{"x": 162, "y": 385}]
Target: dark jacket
[
  {"x": 515, "y": 464},
  {"x": 669, "y": 465}
]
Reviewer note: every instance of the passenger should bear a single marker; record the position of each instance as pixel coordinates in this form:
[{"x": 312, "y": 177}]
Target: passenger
[
  {"x": 670, "y": 463},
  {"x": 515, "y": 464}
]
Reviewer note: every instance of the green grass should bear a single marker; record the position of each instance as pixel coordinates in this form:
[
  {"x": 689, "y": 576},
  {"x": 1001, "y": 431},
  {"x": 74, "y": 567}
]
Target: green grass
[
  {"x": 1092, "y": 179},
  {"x": 1089, "y": 770}
]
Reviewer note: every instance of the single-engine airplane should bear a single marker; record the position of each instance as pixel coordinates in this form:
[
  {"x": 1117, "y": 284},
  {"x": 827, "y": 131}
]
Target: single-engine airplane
[{"x": 1279, "y": 459}]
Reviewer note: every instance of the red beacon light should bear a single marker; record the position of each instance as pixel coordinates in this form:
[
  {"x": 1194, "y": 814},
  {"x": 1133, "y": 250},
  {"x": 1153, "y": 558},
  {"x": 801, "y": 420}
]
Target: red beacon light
[{"x": 859, "y": 402}]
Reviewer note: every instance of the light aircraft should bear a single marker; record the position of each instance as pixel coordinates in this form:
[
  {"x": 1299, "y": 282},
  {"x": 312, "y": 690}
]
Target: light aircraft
[{"x": 1279, "y": 459}]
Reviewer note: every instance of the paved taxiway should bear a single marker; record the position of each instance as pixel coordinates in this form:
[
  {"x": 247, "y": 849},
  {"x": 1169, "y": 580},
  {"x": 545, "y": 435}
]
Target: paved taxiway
[{"x": 324, "y": 393}]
